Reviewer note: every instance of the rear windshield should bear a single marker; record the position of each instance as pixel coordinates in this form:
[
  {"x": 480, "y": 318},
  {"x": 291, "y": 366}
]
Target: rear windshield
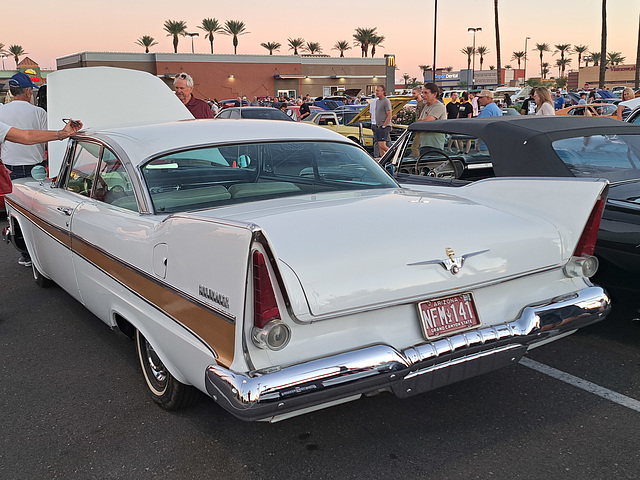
[
  {"x": 265, "y": 113},
  {"x": 614, "y": 157},
  {"x": 221, "y": 175}
]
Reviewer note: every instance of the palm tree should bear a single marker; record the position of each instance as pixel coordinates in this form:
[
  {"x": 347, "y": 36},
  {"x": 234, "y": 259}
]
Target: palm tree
[
  {"x": 211, "y": 26},
  {"x": 16, "y": 51},
  {"x": 424, "y": 69},
  {"x": 542, "y": 47},
  {"x": 313, "y": 47},
  {"x": 146, "y": 41},
  {"x": 580, "y": 50},
  {"x": 376, "y": 41},
  {"x": 363, "y": 37},
  {"x": 615, "y": 58},
  {"x": 271, "y": 46},
  {"x": 563, "y": 48},
  {"x": 603, "y": 44},
  {"x": 406, "y": 79},
  {"x": 595, "y": 58},
  {"x": 448, "y": 69},
  {"x": 544, "y": 69},
  {"x": 469, "y": 52},
  {"x": 518, "y": 57},
  {"x": 342, "y": 45},
  {"x": 495, "y": 13},
  {"x": 173, "y": 29},
  {"x": 234, "y": 28},
  {"x": 482, "y": 51},
  {"x": 295, "y": 44},
  {"x": 562, "y": 63}
]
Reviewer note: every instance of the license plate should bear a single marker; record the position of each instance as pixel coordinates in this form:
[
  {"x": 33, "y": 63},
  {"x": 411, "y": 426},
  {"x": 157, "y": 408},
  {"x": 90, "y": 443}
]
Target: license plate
[{"x": 443, "y": 316}]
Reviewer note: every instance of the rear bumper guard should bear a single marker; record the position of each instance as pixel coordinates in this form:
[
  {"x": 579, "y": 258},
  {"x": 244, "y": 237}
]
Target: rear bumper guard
[{"x": 415, "y": 370}]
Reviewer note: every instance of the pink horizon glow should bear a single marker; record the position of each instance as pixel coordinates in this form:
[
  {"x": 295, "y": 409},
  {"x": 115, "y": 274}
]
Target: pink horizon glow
[{"x": 48, "y": 31}]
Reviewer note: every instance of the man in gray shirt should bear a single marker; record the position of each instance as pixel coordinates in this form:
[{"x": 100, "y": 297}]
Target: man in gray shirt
[{"x": 382, "y": 127}]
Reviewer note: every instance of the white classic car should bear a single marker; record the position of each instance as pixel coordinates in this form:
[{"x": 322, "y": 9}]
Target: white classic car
[{"x": 279, "y": 269}]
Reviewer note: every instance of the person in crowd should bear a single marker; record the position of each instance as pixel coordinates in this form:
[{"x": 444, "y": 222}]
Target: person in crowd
[
  {"x": 20, "y": 159},
  {"x": 183, "y": 86},
  {"x": 489, "y": 108},
  {"x": 305, "y": 110},
  {"x": 453, "y": 107},
  {"x": 529, "y": 105},
  {"x": 583, "y": 98},
  {"x": 559, "y": 101},
  {"x": 416, "y": 94},
  {"x": 466, "y": 109},
  {"x": 507, "y": 100},
  {"x": 283, "y": 107},
  {"x": 382, "y": 126},
  {"x": 474, "y": 103},
  {"x": 543, "y": 100},
  {"x": 592, "y": 96},
  {"x": 433, "y": 110},
  {"x": 255, "y": 102},
  {"x": 623, "y": 111}
]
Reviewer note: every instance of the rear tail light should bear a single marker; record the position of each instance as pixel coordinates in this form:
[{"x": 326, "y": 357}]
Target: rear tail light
[
  {"x": 268, "y": 329},
  {"x": 583, "y": 263},
  {"x": 587, "y": 243},
  {"x": 265, "y": 307}
]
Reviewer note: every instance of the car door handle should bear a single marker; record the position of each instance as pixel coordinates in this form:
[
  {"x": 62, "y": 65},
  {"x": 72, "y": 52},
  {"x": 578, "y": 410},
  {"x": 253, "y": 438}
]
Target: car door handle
[{"x": 66, "y": 210}]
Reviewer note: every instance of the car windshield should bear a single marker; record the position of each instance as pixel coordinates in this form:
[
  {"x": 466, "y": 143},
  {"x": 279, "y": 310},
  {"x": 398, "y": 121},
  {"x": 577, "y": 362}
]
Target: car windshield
[
  {"x": 614, "y": 157},
  {"x": 221, "y": 175}
]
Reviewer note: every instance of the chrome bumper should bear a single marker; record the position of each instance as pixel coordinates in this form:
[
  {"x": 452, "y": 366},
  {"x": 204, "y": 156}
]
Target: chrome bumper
[{"x": 409, "y": 372}]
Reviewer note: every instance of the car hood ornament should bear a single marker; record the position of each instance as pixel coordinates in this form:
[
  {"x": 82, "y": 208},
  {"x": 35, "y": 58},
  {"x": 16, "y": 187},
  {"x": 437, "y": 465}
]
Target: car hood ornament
[{"x": 452, "y": 263}]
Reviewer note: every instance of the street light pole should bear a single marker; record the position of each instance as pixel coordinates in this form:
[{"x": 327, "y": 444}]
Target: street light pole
[
  {"x": 194, "y": 34},
  {"x": 435, "y": 37},
  {"x": 525, "y": 58},
  {"x": 473, "y": 69}
]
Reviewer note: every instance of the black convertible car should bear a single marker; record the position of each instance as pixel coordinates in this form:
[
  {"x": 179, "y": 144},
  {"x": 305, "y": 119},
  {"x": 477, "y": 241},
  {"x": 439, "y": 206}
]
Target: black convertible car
[{"x": 454, "y": 152}]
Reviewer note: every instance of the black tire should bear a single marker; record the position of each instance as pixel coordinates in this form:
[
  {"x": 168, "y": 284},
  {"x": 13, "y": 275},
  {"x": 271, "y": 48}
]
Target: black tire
[
  {"x": 40, "y": 279},
  {"x": 165, "y": 390}
]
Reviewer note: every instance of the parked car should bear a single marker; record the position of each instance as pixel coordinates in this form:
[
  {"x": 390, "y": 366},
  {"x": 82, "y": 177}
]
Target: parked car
[
  {"x": 356, "y": 124},
  {"x": 254, "y": 261},
  {"x": 232, "y": 102},
  {"x": 595, "y": 147},
  {"x": 591, "y": 109},
  {"x": 255, "y": 113}
]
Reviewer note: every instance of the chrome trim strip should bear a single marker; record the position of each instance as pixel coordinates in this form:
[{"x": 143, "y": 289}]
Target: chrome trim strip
[{"x": 417, "y": 369}]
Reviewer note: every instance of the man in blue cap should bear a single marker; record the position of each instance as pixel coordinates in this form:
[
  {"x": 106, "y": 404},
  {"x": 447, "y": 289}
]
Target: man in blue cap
[{"x": 20, "y": 113}]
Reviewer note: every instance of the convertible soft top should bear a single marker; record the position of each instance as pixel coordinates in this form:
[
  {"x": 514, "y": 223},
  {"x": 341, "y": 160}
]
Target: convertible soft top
[{"x": 530, "y": 136}]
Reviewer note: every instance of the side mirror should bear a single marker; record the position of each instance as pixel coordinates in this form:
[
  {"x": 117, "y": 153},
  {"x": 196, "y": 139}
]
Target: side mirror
[
  {"x": 390, "y": 168},
  {"x": 39, "y": 173}
]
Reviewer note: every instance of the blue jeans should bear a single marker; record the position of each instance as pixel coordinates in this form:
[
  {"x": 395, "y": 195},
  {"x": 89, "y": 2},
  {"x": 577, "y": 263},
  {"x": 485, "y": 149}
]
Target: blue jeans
[{"x": 20, "y": 171}]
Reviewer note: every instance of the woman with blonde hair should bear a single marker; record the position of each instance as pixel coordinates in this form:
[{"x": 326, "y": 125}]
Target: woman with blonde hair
[
  {"x": 623, "y": 111},
  {"x": 542, "y": 97}
]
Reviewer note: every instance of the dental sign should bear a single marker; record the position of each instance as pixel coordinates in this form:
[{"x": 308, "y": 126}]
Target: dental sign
[{"x": 448, "y": 76}]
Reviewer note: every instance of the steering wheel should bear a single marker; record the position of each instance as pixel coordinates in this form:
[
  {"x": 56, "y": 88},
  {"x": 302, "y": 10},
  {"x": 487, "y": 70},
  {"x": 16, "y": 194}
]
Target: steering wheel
[{"x": 440, "y": 171}]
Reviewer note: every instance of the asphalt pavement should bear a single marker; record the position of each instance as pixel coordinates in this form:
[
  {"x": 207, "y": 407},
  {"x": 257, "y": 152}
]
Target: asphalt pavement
[{"x": 73, "y": 405}]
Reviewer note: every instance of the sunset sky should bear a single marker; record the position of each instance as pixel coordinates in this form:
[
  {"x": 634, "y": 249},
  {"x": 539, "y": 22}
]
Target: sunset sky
[{"x": 54, "y": 29}]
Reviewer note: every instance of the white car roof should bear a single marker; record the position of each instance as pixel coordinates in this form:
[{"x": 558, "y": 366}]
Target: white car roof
[{"x": 143, "y": 141}]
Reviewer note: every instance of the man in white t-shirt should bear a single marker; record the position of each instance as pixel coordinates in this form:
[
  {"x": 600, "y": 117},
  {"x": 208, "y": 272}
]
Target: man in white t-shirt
[{"x": 20, "y": 113}]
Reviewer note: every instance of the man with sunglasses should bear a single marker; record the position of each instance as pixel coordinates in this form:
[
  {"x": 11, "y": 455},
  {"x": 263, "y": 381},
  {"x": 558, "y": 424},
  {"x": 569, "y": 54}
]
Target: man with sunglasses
[{"x": 183, "y": 85}]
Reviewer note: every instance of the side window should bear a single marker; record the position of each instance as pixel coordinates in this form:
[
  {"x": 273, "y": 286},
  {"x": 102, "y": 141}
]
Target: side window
[
  {"x": 113, "y": 185},
  {"x": 224, "y": 114},
  {"x": 234, "y": 114},
  {"x": 83, "y": 168}
]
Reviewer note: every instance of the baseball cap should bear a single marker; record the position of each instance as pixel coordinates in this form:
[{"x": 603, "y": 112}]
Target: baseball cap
[
  {"x": 21, "y": 80},
  {"x": 485, "y": 93}
]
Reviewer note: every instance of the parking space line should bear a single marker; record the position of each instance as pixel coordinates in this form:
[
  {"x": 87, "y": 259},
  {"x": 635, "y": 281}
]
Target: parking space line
[{"x": 605, "y": 393}]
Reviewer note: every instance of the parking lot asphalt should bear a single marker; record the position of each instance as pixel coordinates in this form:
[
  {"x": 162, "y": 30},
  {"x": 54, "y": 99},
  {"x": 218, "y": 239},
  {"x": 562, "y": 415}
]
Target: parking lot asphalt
[{"x": 73, "y": 404}]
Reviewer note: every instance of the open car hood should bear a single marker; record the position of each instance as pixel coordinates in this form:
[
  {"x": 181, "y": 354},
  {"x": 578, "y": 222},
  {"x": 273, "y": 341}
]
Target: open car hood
[
  {"x": 98, "y": 97},
  {"x": 397, "y": 104}
]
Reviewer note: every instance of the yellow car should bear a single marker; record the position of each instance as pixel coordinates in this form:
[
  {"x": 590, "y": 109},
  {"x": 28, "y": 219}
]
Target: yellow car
[{"x": 356, "y": 125}]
